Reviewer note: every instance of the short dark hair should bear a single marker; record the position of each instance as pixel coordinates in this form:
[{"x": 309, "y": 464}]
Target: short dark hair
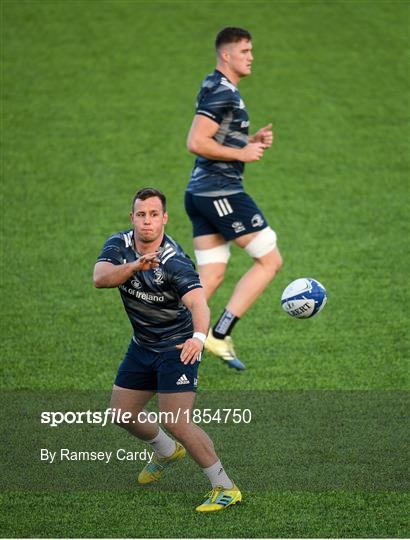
[
  {"x": 231, "y": 34},
  {"x": 147, "y": 193}
]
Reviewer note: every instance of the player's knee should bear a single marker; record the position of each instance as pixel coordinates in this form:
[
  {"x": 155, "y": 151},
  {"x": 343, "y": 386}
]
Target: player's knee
[
  {"x": 262, "y": 244},
  {"x": 264, "y": 250},
  {"x": 218, "y": 277},
  {"x": 120, "y": 422},
  {"x": 212, "y": 279},
  {"x": 272, "y": 263},
  {"x": 177, "y": 429},
  {"x": 279, "y": 262},
  {"x": 275, "y": 261}
]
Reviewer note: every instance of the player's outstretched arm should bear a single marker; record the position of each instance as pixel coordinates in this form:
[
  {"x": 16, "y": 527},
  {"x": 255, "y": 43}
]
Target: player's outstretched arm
[
  {"x": 195, "y": 301},
  {"x": 107, "y": 275},
  {"x": 201, "y": 142}
]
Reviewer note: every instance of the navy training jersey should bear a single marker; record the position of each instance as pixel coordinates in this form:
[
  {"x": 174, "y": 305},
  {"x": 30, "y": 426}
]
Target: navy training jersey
[
  {"x": 220, "y": 100},
  {"x": 152, "y": 298}
]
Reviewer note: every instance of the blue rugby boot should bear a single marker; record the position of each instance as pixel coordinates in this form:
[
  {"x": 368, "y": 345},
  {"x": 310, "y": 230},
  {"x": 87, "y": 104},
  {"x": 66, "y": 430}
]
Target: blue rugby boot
[{"x": 223, "y": 348}]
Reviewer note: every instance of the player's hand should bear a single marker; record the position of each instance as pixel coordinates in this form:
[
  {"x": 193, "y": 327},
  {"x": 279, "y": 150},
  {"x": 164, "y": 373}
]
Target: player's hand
[
  {"x": 147, "y": 261},
  {"x": 191, "y": 350},
  {"x": 264, "y": 135},
  {"x": 252, "y": 152}
]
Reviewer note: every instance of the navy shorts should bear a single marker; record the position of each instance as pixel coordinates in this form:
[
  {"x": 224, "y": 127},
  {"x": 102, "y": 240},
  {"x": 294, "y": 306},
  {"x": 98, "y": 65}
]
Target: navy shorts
[
  {"x": 230, "y": 215},
  {"x": 142, "y": 369}
]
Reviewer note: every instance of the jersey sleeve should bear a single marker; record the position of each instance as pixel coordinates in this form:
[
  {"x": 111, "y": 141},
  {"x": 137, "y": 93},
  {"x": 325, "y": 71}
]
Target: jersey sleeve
[
  {"x": 112, "y": 251},
  {"x": 182, "y": 275},
  {"x": 215, "y": 103}
]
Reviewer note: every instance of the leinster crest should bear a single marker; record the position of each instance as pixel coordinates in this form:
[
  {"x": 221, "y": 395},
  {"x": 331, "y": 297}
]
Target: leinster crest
[
  {"x": 158, "y": 276},
  {"x": 257, "y": 220}
]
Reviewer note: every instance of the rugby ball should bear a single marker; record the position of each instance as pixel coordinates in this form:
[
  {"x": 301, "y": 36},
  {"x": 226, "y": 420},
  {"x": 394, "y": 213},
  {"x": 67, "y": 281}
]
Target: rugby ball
[{"x": 303, "y": 298}]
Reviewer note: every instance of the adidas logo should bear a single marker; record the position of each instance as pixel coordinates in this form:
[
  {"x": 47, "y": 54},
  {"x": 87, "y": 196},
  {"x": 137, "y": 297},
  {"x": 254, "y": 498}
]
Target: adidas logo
[{"x": 183, "y": 379}]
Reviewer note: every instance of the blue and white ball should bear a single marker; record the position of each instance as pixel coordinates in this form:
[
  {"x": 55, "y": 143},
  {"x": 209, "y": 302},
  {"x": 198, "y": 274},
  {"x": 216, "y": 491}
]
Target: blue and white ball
[{"x": 303, "y": 298}]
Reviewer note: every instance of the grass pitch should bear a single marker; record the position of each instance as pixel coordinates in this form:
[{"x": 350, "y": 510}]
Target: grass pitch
[{"x": 98, "y": 97}]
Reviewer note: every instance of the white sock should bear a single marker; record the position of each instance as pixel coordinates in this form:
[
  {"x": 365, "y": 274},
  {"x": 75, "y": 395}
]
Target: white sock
[
  {"x": 162, "y": 444},
  {"x": 217, "y": 476}
]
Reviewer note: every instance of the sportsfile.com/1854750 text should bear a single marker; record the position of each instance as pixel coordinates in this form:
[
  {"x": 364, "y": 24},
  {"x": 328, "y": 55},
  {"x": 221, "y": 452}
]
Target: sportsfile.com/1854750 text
[{"x": 117, "y": 416}]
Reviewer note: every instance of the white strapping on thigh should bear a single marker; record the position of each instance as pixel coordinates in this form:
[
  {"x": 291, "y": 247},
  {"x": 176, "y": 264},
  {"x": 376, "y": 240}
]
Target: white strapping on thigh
[
  {"x": 219, "y": 254},
  {"x": 263, "y": 243}
]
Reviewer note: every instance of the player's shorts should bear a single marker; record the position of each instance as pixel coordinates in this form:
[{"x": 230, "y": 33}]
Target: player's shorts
[
  {"x": 162, "y": 372},
  {"x": 230, "y": 215}
]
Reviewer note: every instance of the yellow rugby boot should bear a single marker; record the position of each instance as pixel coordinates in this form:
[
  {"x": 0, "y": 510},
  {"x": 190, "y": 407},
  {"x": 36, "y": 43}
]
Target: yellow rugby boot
[
  {"x": 224, "y": 349},
  {"x": 153, "y": 471},
  {"x": 220, "y": 498}
]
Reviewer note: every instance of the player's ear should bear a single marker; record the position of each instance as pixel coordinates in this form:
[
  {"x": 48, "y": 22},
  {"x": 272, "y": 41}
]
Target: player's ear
[
  {"x": 165, "y": 219},
  {"x": 223, "y": 54},
  {"x": 131, "y": 217}
]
